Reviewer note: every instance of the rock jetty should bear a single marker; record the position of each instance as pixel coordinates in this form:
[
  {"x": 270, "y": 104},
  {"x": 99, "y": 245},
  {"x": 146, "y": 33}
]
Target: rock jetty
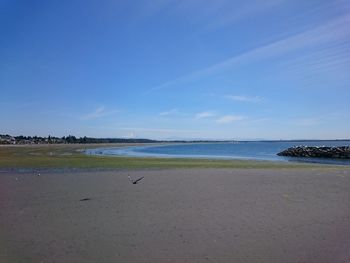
[{"x": 342, "y": 152}]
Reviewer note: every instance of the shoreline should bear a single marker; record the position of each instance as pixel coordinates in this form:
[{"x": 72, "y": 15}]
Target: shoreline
[
  {"x": 137, "y": 152},
  {"x": 72, "y": 156}
]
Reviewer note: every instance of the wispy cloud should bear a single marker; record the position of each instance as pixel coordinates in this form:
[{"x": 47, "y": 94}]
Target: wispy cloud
[
  {"x": 229, "y": 118},
  {"x": 98, "y": 113},
  {"x": 332, "y": 32},
  {"x": 160, "y": 130},
  {"x": 230, "y": 15},
  {"x": 149, "y": 9},
  {"x": 307, "y": 122},
  {"x": 205, "y": 114},
  {"x": 321, "y": 61},
  {"x": 169, "y": 112},
  {"x": 243, "y": 98},
  {"x": 208, "y": 14}
]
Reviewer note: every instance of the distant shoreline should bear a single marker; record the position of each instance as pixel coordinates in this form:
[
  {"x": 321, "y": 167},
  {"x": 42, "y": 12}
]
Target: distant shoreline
[{"x": 51, "y": 140}]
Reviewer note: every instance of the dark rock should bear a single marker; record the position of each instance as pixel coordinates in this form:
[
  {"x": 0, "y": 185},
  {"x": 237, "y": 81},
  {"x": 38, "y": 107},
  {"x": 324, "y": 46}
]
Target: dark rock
[{"x": 342, "y": 152}]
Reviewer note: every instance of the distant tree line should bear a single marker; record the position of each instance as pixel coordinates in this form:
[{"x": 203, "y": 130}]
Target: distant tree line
[
  {"x": 73, "y": 139},
  {"x": 70, "y": 139}
]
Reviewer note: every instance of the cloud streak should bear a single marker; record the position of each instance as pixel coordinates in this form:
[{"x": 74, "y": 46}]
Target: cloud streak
[
  {"x": 205, "y": 114},
  {"x": 160, "y": 130},
  {"x": 244, "y": 98},
  {"x": 229, "y": 119},
  {"x": 98, "y": 113},
  {"x": 334, "y": 32},
  {"x": 229, "y": 16},
  {"x": 169, "y": 112}
]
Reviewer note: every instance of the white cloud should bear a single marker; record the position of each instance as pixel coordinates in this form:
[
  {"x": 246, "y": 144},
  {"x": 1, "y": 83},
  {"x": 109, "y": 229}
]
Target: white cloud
[
  {"x": 229, "y": 15},
  {"x": 130, "y": 135},
  {"x": 98, "y": 113},
  {"x": 212, "y": 14},
  {"x": 205, "y": 114},
  {"x": 229, "y": 118},
  {"x": 169, "y": 112},
  {"x": 159, "y": 130},
  {"x": 243, "y": 98},
  {"x": 307, "y": 121}
]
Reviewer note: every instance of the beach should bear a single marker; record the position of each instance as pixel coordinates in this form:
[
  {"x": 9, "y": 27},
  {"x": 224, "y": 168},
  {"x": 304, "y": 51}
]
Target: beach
[
  {"x": 175, "y": 215},
  {"x": 175, "y": 131}
]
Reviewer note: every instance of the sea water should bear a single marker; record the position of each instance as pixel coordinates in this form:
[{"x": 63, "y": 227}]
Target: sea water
[{"x": 249, "y": 150}]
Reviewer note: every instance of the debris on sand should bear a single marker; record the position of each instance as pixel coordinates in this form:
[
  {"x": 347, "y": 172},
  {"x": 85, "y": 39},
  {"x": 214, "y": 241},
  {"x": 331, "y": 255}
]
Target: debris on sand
[{"x": 85, "y": 199}]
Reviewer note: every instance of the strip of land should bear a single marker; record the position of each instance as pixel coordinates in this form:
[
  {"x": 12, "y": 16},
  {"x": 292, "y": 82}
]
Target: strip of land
[{"x": 72, "y": 156}]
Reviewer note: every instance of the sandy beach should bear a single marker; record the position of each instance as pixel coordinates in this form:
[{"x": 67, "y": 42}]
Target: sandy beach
[{"x": 176, "y": 215}]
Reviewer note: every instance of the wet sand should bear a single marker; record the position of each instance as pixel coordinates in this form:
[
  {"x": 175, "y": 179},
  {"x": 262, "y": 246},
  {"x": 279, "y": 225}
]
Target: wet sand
[{"x": 209, "y": 215}]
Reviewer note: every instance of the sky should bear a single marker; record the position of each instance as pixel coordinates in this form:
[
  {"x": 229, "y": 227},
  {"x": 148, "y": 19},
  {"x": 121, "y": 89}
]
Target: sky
[{"x": 166, "y": 69}]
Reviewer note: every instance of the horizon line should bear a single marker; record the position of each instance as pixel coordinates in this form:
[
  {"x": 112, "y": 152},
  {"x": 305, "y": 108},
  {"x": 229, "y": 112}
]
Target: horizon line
[{"x": 183, "y": 139}]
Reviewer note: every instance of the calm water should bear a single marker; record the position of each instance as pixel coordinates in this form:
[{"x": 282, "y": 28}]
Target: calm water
[{"x": 236, "y": 150}]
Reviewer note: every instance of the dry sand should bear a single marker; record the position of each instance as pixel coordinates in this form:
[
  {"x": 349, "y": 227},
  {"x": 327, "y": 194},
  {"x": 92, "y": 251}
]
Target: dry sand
[{"x": 211, "y": 215}]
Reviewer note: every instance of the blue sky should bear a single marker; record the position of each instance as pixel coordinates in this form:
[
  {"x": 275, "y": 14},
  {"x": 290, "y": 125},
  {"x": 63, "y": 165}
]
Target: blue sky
[{"x": 165, "y": 69}]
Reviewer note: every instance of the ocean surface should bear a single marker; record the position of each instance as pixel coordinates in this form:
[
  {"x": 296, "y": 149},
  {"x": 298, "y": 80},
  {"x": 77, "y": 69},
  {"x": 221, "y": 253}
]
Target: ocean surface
[{"x": 261, "y": 150}]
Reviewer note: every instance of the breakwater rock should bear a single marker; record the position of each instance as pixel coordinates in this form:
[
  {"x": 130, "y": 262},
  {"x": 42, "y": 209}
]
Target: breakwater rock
[{"x": 342, "y": 152}]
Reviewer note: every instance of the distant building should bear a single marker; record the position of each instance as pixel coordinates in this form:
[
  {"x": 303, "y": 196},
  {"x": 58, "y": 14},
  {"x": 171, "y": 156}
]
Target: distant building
[{"x": 7, "y": 139}]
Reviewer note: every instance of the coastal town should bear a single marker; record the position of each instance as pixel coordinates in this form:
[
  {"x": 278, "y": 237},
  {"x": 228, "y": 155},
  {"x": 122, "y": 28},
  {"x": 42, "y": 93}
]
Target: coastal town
[{"x": 8, "y": 139}]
